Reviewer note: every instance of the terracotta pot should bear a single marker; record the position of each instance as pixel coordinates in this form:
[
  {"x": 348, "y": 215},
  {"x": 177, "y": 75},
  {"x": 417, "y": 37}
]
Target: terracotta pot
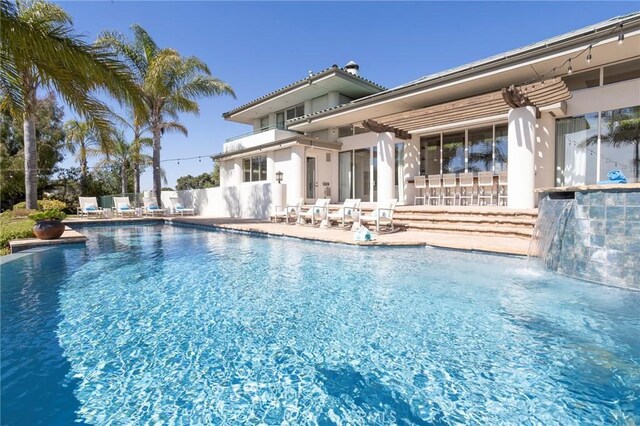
[{"x": 48, "y": 229}]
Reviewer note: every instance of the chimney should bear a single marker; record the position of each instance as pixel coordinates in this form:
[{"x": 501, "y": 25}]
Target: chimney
[{"x": 352, "y": 68}]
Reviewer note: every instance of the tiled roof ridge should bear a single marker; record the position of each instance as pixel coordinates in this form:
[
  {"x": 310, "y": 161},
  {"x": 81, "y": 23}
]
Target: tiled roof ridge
[{"x": 297, "y": 82}]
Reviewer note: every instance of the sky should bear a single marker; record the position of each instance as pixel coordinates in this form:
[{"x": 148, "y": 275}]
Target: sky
[{"x": 258, "y": 47}]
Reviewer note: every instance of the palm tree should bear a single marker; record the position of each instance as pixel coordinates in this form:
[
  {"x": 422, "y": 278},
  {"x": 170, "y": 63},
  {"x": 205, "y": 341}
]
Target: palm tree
[
  {"x": 38, "y": 49},
  {"x": 170, "y": 82},
  {"x": 81, "y": 139},
  {"x": 139, "y": 128}
]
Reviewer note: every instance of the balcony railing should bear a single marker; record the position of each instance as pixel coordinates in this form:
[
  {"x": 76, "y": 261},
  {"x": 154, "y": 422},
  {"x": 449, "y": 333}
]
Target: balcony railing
[{"x": 261, "y": 130}]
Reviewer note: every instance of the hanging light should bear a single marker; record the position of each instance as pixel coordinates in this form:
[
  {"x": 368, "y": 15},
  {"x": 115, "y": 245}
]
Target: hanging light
[
  {"x": 589, "y": 55},
  {"x": 570, "y": 70},
  {"x": 199, "y": 160},
  {"x": 621, "y": 35},
  {"x": 554, "y": 75}
]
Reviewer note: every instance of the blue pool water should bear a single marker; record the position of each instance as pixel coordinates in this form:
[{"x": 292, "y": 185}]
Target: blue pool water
[{"x": 162, "y": 324}]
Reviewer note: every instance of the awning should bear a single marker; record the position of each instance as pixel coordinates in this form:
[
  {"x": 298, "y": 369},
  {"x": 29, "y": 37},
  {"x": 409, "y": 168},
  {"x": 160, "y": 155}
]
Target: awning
[{"x": 487, "y": 105}]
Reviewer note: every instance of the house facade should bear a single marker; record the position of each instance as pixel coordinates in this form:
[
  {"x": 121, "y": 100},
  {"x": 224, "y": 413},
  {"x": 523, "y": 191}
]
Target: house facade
[{"x": 560, "y": 112}]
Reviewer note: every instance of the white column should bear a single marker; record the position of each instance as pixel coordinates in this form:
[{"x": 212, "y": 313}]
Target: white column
[
  {"x": 295, "y": 188},
  {"x": 225, "y": 172},
  {"x": 271, "y": 167},
  {"x": 238, "y": 174},
  {"x": 411, "y": 167},
  {"x": 386, "y": 165},
  {"x": 521, "y": 172}
]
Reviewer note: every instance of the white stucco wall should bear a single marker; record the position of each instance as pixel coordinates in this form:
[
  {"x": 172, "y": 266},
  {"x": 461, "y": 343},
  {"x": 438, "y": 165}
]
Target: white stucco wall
[{"x": 612, "y": 96}]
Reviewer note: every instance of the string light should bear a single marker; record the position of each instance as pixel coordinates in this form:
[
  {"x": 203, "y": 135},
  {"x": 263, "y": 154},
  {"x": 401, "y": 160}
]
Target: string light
[
  {"x": 621, "y": 35},
  {"x": 570, "y": 70},
  {"x": 589, "y": 55}
]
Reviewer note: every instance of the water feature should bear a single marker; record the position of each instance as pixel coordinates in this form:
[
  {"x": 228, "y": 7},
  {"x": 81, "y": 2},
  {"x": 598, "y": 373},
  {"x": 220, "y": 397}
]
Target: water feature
[{"x": 546, "y": 243}]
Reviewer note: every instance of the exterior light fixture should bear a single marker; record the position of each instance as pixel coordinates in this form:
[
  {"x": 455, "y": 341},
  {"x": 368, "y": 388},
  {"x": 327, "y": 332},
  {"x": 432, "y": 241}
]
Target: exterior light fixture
[
  {"x": 621, "y": 36},
  {"x": 589, "y": 56},
  {"x": 279, "y": 177},
  {"x": 570, "y": 70}
]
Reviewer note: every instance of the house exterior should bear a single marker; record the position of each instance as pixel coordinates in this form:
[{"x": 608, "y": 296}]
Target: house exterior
[{"x": 560, "y": 112}]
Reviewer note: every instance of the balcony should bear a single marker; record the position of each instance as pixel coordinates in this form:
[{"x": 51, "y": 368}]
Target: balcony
[{"x": 258, "y": 137}]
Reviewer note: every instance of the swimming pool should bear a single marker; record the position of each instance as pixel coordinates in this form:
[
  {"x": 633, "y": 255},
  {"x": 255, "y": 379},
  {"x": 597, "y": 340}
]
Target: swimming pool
[{"x": 170, "y": 324}]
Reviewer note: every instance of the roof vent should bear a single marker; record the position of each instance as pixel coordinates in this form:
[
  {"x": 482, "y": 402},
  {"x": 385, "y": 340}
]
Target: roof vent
[{"x": 352, "y": 68}]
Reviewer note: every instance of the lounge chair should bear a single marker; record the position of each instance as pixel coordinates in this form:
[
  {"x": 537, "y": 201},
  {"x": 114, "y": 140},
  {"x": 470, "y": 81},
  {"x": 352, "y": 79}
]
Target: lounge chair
[
  {"x": 381, "y": 215},
  {"x": 89, "y": 207},
  {"x": 122, "y": 207},
  {"x": 288, "y": 212},
  {"x": 317, "y": 212},
  {"x": 178, "y": 208},
  {"x": 348, "y": 212},
  {"x": 151, "y": 207}
]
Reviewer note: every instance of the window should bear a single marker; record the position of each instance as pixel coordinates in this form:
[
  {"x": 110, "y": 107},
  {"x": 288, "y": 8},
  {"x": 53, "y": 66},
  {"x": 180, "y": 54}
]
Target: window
[
  {"x": 501, "y": 149},
  {"x": 480, "y": 150},
  {"x": 345, "y": 131},
  {"x": 430, "y": 155},
  {"x": 264, "y": 123},
  {"x": 582, "y": 80},
  {"x": 453, "y": 153},
  {"x": 280, "y": 120},
  {"x": 621, "y": 72},
  {"x": 255, "y": 168},
  {"x": 577, "y": 150},
  {"x": 398, "y": 178},
  {"x": 619, "y": 142},
  {"x": 295, "y": 112}
]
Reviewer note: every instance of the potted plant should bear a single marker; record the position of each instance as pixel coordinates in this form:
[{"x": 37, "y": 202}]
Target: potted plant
[{"x": 48, "y": 224}]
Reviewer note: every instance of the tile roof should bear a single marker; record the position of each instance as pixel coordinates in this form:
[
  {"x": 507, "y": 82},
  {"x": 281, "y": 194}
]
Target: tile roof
[{"x": 333, "y": 68}]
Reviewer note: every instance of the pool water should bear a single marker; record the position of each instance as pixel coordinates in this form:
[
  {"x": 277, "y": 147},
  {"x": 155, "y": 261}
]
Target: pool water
[{"x": 175, "y": 325}]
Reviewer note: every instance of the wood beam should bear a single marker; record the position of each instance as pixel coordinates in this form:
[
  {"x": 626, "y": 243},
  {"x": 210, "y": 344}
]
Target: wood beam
[{"x": 374, "y": 126}]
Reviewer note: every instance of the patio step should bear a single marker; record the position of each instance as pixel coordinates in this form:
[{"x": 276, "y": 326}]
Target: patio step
[{"x": 495, "y": 221}]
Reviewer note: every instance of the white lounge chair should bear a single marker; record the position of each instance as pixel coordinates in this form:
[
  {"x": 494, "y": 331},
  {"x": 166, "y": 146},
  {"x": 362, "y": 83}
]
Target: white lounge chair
[
  {"x": 89, "y": 207},
  {"x": 178, "y": 208},
  {"x": 381, "y": 215},
  {"x": 348, "y": 212},
  {"x": 317, "y": 212},
  {"x": 152, "y": 208},
  {"x": 288, "y": 212},
  {"x": 122, "y": 207}
]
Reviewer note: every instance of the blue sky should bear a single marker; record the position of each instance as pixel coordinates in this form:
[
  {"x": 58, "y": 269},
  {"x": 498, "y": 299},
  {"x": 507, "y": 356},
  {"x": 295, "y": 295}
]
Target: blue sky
[{"x": 258, "y": 47}]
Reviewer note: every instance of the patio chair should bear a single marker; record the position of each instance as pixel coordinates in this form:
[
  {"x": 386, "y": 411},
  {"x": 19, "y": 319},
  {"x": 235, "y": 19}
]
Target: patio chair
[
  {"x": 317, "y": 212},
  {"x": 485, "y": 188},
  {"x": 288, "y": 212},
  {"x": 503, "y": 188},
  {"x": 89, "y": 207},
  {"x": 434, "y": 185},
  {"x": 420, "y": 184},
  {"x": 122, "y": 207},
  {"x": 467, "y": 186},
  {"x": 178, "y": 208},
  {"x": 449, "y": 189},
  {"x": 349, "y": 211},
  {"x": 151, "y": 207},
  {"x": 381, "y": 215}
]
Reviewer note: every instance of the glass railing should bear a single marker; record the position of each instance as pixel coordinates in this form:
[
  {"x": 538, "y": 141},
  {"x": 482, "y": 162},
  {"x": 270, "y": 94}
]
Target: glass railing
[{"x": 261, "y": 130}]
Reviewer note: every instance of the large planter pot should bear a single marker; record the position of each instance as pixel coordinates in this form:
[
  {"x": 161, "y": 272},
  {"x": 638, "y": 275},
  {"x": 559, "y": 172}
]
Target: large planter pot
[{"x": 48, "y": 229}]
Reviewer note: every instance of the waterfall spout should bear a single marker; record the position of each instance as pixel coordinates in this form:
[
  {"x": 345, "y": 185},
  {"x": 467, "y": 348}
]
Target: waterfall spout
[{"x": 546, "y": 241}]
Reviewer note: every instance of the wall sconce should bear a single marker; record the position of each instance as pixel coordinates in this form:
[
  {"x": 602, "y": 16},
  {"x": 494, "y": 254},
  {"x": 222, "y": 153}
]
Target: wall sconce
[{"x": 279, "y": 177}]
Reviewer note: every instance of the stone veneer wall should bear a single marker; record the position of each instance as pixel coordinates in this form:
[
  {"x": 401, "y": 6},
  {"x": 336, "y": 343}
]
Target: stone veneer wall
[{"x": 601, "y": 241}]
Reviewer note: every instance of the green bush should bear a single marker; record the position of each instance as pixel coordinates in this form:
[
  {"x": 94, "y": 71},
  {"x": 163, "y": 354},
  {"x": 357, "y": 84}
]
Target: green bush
[
  {"x": 22, "y": 212},
  {"x": 43, "y": 205},
  {"x": 51, "y": 205},
  {"x": 12, "y": 229},
  {"x": 48, "y": 215}
]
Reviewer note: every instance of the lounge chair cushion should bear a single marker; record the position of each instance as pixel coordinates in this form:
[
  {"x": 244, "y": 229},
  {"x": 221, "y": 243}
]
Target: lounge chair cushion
[
  {"x": 123, "y": 206},
  {"x": 90, "y": 208},
  {"x": 153, "y": 207}
]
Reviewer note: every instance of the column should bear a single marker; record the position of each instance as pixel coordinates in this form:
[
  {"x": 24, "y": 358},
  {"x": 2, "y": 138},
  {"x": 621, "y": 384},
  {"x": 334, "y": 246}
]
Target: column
[
  {"x": 271, "y": 167},
  {"x": 386, "y": 165},
  {"x": 224, "y": 171},
  {"x": 522, "y": 134},
  {"x": 411, "y": 167},
  {"x": 238, "y": 174},
  {"x": 295, "y": 188}
]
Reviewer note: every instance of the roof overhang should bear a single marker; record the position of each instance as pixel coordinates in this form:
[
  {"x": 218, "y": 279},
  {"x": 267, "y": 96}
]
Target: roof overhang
[
  {"x": 283, "y": 143},
  {"x": 491, "y": 74},
  {"x": 330, "y": 80}
]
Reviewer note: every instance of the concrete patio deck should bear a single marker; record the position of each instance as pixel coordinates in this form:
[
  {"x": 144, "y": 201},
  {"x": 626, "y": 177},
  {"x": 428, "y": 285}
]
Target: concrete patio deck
[{"x": 493, "y": 244}]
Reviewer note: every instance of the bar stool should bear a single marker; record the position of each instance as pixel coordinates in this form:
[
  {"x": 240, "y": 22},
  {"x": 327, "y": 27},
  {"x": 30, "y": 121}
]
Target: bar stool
[
  {"x": 420, "y": 183},
  {"x": 503, "y": 190},
  {"x": 435, "y": 189},
  {"x": 449, "y": 188},
  {"x": 485, "y": 188},
  {"x": 466, "y": 188}
]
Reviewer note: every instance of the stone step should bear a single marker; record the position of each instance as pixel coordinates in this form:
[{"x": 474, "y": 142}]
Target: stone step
[
  {"x": 468, "y": 229},
  {"x": 497, "y": 220}
]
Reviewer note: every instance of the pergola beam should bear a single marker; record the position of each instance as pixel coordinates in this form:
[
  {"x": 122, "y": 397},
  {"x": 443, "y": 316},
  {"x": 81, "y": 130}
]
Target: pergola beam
[{"x": 374, "y": 126}]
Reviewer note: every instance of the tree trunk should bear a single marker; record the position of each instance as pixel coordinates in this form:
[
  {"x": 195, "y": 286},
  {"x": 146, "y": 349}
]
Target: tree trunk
[
  {"x": 83, "y": 175},
  {"x": 136, "y": 178},
  {"x": 123, "y": 180},
  {"x": 157, "y": 184},
  {"x": 30, "y": 159}
]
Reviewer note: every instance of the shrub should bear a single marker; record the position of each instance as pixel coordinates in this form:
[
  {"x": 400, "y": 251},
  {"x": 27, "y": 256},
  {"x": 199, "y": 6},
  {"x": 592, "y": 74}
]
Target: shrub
[
  {"x": 11, "y": 230},
  {"x": 51, "y": 205},
  {"x": 48, "y": 215},
  {"x": 22, "y": 212}
]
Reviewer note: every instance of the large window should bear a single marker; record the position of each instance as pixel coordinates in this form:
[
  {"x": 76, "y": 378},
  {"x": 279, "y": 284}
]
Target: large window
[
  {"x": 295, "y": 112},
  {"x": 453, "y": 153},
  {"x": 358, "y": 174},
  {"x": 264, "y": 123},
  {"x": 255, "y": 168},
  {"x": 398, "y": 177},
  {"x": 480, "y": 150},
  {"x": 430, "y": 155},
  {"x": 501, "y": 148},
  {"x": 589, "y": 146}
]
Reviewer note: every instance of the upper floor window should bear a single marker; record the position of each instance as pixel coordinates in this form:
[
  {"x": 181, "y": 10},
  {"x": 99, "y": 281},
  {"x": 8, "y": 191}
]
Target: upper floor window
[
  {"x": 295, "y": 112},
  {"x": 264, "y": 123}
]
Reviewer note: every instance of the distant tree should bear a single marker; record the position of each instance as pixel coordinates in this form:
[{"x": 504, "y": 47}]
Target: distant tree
[
  {"x": 49, "y": 138},
  {"x": 166, "y": 188},
  {"x": 81, "y": 140},
  {"x": 205, "y": 180}
]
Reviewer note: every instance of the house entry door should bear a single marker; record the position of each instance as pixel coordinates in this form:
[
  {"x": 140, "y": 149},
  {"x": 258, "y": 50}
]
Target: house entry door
[{"x": 312, "y": 182}]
